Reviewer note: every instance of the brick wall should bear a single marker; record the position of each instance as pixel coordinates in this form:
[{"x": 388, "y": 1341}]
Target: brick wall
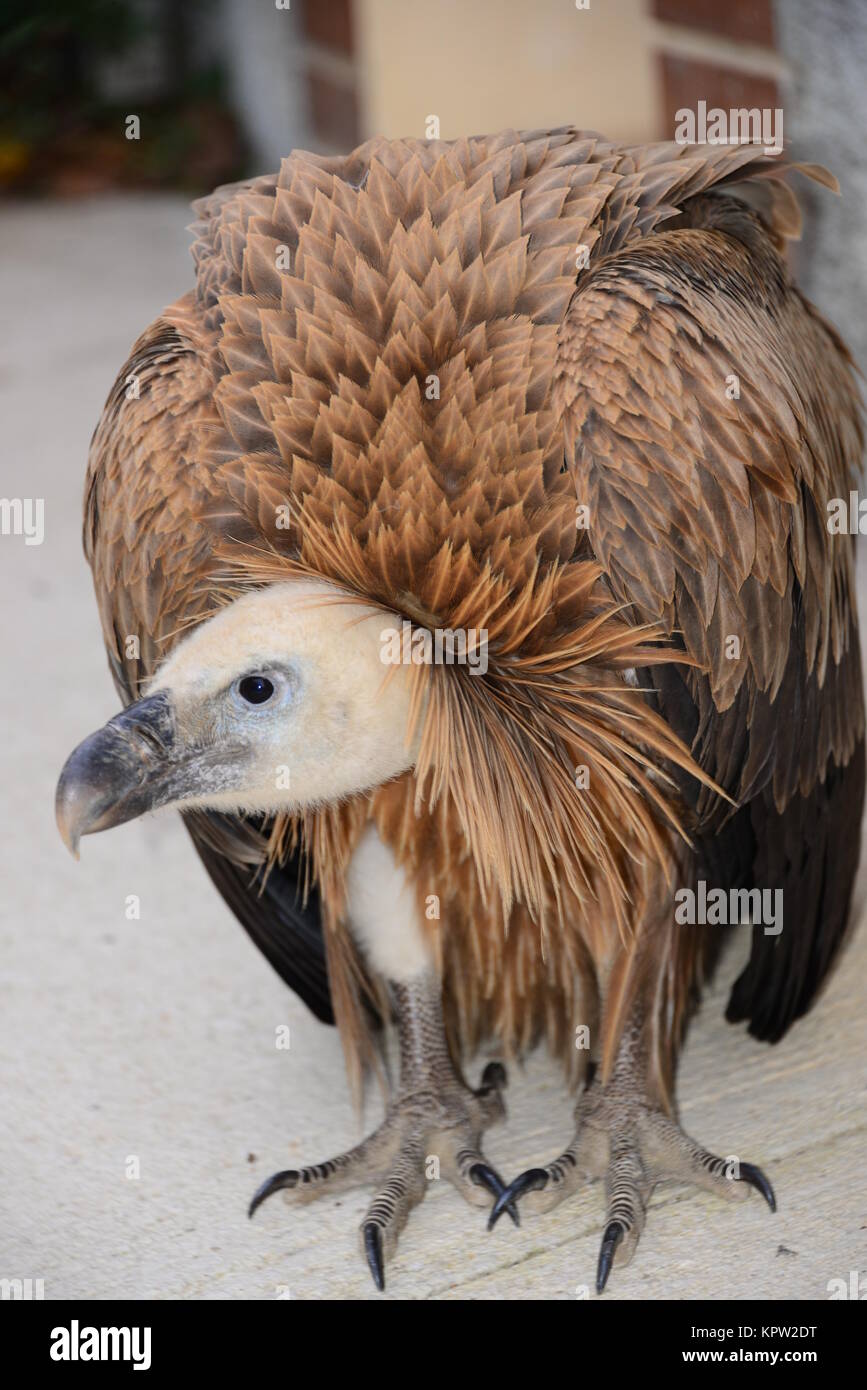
[
  {"x": 721, "y": 52},
  {"x": 329, "y": 53}
]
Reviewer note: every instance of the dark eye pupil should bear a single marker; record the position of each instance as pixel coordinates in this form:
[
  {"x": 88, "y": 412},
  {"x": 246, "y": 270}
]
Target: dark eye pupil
[{"x": 256, "y": 689}]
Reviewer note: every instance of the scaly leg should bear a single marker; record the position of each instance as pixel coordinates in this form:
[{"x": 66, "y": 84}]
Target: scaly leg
[
  {"x": 627, "y": 1139},
  {"x": 434, "y": 1116}
]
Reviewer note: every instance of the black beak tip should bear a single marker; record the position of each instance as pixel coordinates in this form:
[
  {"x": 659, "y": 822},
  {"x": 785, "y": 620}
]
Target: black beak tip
[
  {"x": 115, "y": 774},
  {"x": 67, "y": 810}
]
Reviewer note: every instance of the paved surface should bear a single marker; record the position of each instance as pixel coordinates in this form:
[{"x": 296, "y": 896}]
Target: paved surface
[{"x": 155, "y": 1039}]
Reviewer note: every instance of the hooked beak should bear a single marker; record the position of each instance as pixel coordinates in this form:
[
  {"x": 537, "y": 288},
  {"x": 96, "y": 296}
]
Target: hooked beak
[{"x": 127, "y": 767}]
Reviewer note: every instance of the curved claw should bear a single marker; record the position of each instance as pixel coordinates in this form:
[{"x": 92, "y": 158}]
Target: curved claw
[
  {"x": 494, "y": 1076},
  {"x": 610, "y": 1241},
  {"x": 756, "y": 1178},
  {"x": 533, "y": 1180},
  {"x": 373, "y": 1251},
  {"x": 276, "y": 1183},
  {"x": 483, "y": 1175}
]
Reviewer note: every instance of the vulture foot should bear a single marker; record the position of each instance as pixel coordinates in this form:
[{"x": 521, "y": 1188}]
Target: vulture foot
[
  {"x": 430, "y": 1130},
  {"x": 633, "y": 1146}
]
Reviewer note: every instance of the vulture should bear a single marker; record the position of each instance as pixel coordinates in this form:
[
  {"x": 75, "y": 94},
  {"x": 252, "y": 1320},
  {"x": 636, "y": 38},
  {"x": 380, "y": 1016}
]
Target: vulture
[{"x": 461, "y": 547}]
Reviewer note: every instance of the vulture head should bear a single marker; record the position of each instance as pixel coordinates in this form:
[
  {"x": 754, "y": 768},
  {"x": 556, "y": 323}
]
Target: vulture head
[{"x": 289, "y": 676}]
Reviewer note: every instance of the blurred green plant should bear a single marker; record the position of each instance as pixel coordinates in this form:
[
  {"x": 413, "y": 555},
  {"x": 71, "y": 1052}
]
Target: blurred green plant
[{"x": 60, "y": 132}]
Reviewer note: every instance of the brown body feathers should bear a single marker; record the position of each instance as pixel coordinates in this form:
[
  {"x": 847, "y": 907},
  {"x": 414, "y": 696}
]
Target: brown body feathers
[{"x": 406, "y": 371}]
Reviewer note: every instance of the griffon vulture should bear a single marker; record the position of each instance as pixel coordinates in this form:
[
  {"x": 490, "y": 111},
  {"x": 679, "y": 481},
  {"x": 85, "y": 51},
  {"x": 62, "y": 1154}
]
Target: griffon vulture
[{"x": 558, "y": 398}]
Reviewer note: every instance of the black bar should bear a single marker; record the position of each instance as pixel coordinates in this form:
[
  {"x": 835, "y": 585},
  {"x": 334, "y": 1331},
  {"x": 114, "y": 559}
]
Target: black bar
[{"x": 258, "y": 1339}]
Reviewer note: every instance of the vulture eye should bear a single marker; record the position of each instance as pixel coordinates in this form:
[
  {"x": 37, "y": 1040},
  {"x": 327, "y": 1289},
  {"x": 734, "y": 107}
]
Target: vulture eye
[{"x": 256, "y": 690}]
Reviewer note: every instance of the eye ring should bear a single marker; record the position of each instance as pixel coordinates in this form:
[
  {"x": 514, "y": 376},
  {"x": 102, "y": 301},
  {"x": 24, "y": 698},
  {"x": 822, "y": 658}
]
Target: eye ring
[{"x": 256, "y": 689}]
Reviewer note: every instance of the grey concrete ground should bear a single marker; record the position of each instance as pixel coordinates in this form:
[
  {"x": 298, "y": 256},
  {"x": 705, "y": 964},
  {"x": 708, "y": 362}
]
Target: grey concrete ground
[{"x": 155, "y": 1039}]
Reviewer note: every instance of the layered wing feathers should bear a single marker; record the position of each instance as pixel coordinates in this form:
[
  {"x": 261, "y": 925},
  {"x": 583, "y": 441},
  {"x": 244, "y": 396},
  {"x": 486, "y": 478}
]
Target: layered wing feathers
[{"x": 389, "y": 344}]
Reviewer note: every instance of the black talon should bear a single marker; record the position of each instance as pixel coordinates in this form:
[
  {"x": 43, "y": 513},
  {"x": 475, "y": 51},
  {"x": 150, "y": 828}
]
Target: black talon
[
  {"x": 533, "y": 1180},
  {"x": 494, "y": 1075},
  {"x": 613, "y": 1235},
  {"x": 373, "y": 1250},
  {"x": 287, "y": 1178},
  {"x": 756, "y": 1178},
  {"x": 484, "y": 1176}
]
